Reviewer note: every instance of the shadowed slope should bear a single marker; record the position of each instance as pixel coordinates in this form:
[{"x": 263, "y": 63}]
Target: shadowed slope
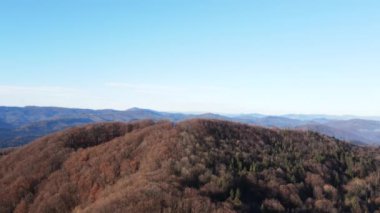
[{"x": 192, "y": 166}]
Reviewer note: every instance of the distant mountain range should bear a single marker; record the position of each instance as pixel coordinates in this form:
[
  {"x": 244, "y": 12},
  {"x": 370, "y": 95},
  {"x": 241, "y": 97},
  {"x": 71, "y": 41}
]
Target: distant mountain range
[{"x": 21, "y": 125}]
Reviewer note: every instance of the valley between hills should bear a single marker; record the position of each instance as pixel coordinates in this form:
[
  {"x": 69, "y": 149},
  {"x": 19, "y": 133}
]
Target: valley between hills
[{"x": 22, "y": 125}]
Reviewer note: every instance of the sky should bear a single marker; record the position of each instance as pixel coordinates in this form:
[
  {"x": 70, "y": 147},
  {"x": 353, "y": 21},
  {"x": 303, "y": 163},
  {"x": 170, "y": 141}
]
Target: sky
[{"x": 224, "y": 56}]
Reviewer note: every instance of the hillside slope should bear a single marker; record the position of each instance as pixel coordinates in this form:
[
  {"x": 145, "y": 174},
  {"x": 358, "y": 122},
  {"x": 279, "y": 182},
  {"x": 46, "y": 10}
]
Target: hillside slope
[
  {"x": 191, "y": 166},
  {"x": 340, "y": 134},
  {"x": 22, "y": 125}
]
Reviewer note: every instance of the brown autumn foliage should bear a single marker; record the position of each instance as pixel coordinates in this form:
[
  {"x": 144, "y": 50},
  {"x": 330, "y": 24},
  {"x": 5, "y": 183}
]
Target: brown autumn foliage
[{"x": 192, "y": 166}]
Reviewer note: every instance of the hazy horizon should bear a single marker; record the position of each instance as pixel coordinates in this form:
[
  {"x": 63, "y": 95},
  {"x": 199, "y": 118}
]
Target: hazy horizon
[
  {"x": 230, "y": 57},
  {"x": 337, "y": 116}
]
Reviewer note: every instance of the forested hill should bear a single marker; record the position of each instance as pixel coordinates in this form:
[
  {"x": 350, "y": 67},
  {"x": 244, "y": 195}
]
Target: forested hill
[
  {"x": 22, "y": 125},
  {"x": 191, "y": 166}
]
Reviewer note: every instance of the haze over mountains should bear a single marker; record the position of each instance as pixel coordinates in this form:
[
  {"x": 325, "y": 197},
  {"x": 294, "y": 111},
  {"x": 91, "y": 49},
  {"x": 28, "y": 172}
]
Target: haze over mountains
[{"x": 21, "y": 125}]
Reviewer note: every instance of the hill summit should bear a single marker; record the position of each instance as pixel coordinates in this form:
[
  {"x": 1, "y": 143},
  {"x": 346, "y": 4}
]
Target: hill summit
[{"x": 191, "y": 166}]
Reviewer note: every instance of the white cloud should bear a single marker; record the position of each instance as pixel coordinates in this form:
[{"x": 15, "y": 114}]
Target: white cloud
[
  {"x": 42, "y": 96},
  {"x": 157, "y": 89},
  {"x": 196, "y": 98},
  {"x": 33, "y": 90}
]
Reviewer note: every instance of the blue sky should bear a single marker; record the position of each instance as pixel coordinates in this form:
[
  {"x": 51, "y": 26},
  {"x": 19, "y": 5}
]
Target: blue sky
[{"x": 231, "y": 56}]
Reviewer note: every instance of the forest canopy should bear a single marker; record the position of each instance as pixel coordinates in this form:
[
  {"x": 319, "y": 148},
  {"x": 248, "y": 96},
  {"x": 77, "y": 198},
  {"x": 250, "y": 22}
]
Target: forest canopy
[{"x": 192, "y": 166}]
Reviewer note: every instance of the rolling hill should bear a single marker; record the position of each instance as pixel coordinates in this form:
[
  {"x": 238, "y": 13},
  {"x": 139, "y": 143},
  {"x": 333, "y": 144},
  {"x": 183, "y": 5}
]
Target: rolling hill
[
  {"x": 189, "y": 166},
  {"x": 21, "y": 125}
]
